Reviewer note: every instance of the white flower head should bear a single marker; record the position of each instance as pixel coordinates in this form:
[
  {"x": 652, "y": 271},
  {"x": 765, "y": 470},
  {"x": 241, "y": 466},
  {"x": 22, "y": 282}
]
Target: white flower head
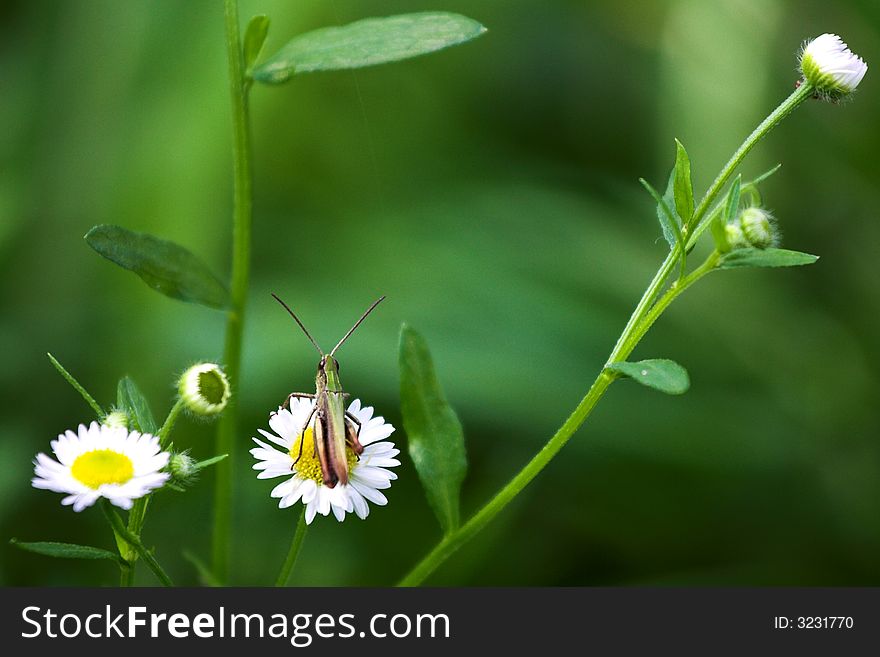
[
  {"x": 102, "y": 461},
  {"x": 831, "y": 67},
  {"x": 204, "y": 389},
  {"x": 367, "y": 473}
]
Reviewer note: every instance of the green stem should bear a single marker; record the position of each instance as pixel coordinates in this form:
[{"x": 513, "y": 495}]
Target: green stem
[
  {"x": 241, "y": 247},
  {"x": 168, "y": 424},
  {"x": 120, "y": 529},
  {"x": 78, "y": 387},
  {"x": 643, "y": 317},
  {"x": 293, "y": 553}
]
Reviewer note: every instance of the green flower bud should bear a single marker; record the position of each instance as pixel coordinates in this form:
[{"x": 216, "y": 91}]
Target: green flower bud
[
  {"x": 204, "y": 389},
  {"x": 758, "y": 227},
  {"x": 117, "y": 418},
  {"x": 183, "y": 470},
  {"x": 735, "y": 236}
]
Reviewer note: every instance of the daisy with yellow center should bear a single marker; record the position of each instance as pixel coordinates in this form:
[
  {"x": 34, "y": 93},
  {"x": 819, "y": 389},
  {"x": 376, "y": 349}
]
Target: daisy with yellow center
[
  {"x": 368, "y": 473},
  {"x": 102, "y": 461}
]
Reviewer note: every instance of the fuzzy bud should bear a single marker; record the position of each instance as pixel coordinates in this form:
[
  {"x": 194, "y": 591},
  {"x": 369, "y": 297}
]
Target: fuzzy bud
[
  {"x": 735, "y": 236},
  {"x": 183, "y": 470},
  {"x": 116, "y": 419},
  {"x": 204, "y": 389},
  {"x": 758, "y": 227}
]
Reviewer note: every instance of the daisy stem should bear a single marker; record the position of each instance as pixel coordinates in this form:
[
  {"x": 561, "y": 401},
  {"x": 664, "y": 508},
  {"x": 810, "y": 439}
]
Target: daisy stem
[
  {"x": 120, "y": 529},
  {"x": 168, "y": 424},
  {"x": 647, "y": 311},
  {"x": 241, "y": 247},
  {"x": 293, "y": 553}
]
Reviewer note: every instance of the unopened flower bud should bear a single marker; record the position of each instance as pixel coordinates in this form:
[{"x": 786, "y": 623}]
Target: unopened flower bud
[
  {"x": 735, "y": 236},
  {"x": 117, "y": 418},
  {"x": 204, "y": 389},
  {"x": 183, "y": 470},
  {"x": 831, "y": 67},
  {"x": 758, "y": 227}
]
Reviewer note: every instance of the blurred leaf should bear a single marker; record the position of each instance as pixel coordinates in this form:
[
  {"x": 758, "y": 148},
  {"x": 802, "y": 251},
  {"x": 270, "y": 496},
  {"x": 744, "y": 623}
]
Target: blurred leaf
[
  {"x": 77, "y": 386},
  {"x": 165, "y": 266},
  {"x": 129, "y": 398},
  {"x": 683, "y": 189},
  {"x": 67, "y": 551},
  {"x": 368, "y": 42},
  {"x": 436, "y": 440},
  {"x": 254, "y": 40},
  {"x": 766, "y": 258},
  {"x": 658, "y": 373},
  {"x": 206, "y": 577}
]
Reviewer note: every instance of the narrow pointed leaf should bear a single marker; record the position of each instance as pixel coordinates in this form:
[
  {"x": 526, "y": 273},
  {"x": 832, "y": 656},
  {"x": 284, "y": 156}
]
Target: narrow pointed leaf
[
  {"x": 668, "y": 221},
  {"x": 76, "y": 385},
  {"x": 766, "y": 258},
  {"x": 129, "y": 398},
  {"x": 165, "y": 266},
  {"x": 434, "y": 434},
  {"x": 658, "y": 373},
  {"x": 683, "y": 190},
  {"x": 732, "y": 208},
  {"x": 201, "y": 465},
  {"x": 764, "y": 176},
  {"x": 366, "y": 43},
  {"x": 67, "y": 550},
  {"x": 254, "y": 40}
]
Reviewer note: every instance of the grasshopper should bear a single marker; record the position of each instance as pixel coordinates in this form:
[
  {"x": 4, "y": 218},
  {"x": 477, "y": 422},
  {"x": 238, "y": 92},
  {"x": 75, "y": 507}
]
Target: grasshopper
[{"x": 335, "y": 428}]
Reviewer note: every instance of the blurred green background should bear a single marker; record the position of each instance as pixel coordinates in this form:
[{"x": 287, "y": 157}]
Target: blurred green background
[{"x": 491, "y": 192}]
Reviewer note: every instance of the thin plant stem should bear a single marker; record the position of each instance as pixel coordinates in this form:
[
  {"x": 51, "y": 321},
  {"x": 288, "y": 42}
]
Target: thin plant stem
[
  {"x": 241, "y": 247},
  {"x": 78, "y": 387},
  {"x": 168, "y": 424},
  {"x": 120, "y": 529},
  {"x": 295, "y": 546},
  {"x": 647, "y": 311}
]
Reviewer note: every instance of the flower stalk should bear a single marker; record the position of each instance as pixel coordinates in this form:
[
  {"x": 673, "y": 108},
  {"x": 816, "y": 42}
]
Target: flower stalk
[{"x": 295, "y": 546}]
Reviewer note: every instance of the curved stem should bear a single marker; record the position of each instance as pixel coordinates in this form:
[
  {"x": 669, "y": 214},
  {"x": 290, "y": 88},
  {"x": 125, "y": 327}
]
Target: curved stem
[
  {"x": 168, "y": 424},
  {"x": 293, "y": 553},
  {"x": 135, "y": 541},
  {"x": 647, "y": 311},
  {"x": 241, "y": 246}
]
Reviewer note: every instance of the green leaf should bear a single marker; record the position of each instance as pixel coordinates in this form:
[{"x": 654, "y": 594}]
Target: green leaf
[
  {"x": 731, "y": 210},
  {"x": 366, "y": 43},
  {"x": 764, "y": 176},
  {"x": 436, "y": 440},
  {"x": 766, "y": 258},
  {"x": 201, "y": 465},
  {"x": 130, "y": 399},
  {"x": 164, "y": 266},
  {"x": 67, "y": 550},
  {"x": 668, "y": 220},
  {"x": 683, "y": 189},
  {"x": 658, "y": 373},
  {"x": 254, "y": 40},
  {"x": 76, "y": 385}
]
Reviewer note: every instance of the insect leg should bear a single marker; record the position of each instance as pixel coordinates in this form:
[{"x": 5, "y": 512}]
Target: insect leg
[
  {"x": 298, "y": 395},
  {"x": 352, "y": 433},
  {"x": 302, "y": 436}
]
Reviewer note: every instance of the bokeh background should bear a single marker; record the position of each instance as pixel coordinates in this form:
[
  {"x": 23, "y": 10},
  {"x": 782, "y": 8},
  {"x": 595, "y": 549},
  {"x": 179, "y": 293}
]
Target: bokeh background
[{"x": 491, "y": 192}]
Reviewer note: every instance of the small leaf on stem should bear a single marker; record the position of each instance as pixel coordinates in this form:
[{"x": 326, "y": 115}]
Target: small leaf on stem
[
  {"x": 254, "y": 40},
  {"x": 434, "y": 433},
  {"x": 76, "y": 385},
  {"x": 683, "y": 190},
  {"x": 165, "y": 266},
  {"x": 130, "y": 399},
  {"x": 67, "y": 550},
  {"x": 367, "y": 42},
  {"x": 766, "y": 258},
  {"x": 658, "y": 373}
]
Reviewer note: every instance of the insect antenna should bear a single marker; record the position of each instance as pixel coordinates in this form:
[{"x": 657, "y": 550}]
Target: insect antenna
[
  {"x": 304, "y": 329},
  {"x": 357, "y": 323}
]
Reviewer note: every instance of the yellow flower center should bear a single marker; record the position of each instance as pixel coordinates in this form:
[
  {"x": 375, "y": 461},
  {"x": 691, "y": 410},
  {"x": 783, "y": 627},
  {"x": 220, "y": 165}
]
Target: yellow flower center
[
  {"x": 102, "y": 466},
  {"x": 309, "y": 465}
]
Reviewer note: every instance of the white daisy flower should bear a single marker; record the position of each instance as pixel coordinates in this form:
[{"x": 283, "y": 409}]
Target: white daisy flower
[
  {"x": 102, "y": 461},
  {"x": 831, "y": 67},
  {"x": 367, "y": 473}
]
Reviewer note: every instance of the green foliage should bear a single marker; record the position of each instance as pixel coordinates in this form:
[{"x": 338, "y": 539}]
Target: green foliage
[
  {"x": 669, "y": 220},
  {"x": 366, "y": 43},
  {"x": 254, "y": 40},
  {"x": 76, "y": 385},
  {"x": 658, "y": 373},
  {"x": 130, "y": 399},
  {"x": 67, "y": 550},
  {"x": 434, "y": 433},
  {"x": 206, "y": 577},
  {"x": 683, "y": 189},
  {"x": 766, "y": 258},
  {"x": 165, "y": 266},
  {"x": 731, "y": 209}
]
